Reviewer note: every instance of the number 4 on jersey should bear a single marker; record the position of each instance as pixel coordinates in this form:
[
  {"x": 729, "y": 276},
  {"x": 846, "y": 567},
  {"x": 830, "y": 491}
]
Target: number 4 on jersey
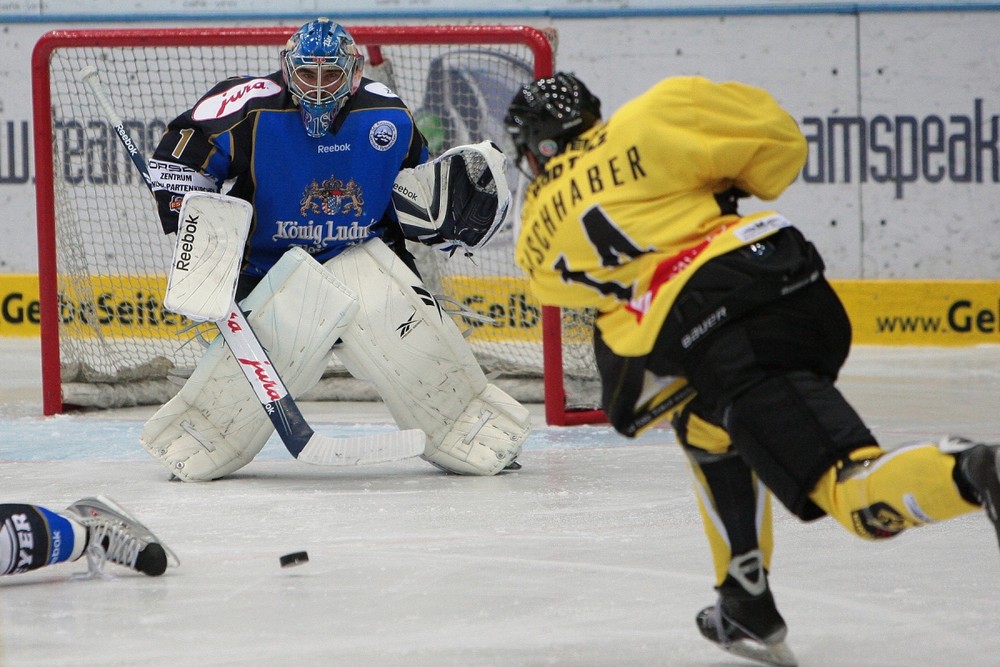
[{"x": 613, "y": 247}]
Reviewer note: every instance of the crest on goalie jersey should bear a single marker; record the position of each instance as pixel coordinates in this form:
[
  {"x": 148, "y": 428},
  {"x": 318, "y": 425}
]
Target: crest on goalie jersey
[
  {"x": 383, "y": 135},
  {"x": 333, "y": 196}
]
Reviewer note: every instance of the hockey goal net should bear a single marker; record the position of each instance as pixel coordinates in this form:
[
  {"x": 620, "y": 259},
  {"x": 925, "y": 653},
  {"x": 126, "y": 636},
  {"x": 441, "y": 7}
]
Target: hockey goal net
[{"x": 106, "y": 339}]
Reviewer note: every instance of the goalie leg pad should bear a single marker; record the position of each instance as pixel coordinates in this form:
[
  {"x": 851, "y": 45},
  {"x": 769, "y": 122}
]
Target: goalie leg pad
[
  {"x": 486, "y": 437},
  {"x": 210, "y": 428},
  {"x": 215, "y": 425},
  {"x": 409, "y": 348}
]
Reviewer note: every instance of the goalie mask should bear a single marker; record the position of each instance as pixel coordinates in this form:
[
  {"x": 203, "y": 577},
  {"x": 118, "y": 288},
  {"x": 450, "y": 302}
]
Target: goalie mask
[
  {"x": 546, "y": 114},
  {"x": 322, "y": 68}
]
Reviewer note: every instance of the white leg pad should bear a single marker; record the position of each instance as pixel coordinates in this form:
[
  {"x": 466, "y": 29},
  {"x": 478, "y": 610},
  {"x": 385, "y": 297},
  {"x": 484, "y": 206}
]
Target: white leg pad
[
  {"x": 404, "y": 343},
  {"x": 216, "y": 425},
  {"x": 486, "y": 437}
]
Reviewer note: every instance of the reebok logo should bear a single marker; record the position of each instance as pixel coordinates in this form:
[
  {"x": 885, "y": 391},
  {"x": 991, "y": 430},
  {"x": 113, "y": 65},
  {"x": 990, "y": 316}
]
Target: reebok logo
[
  {"x": 187, "y": 237},
  {"x": 127, "y": 140},
  {"x": 335, "y": 148},
  {"x": 407, "y": 327},
  {"x": 404, "y": 191}
]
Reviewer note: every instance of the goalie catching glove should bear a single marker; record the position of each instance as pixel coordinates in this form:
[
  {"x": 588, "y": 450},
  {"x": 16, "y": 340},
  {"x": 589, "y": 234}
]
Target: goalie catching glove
[{"x": 459, "y": 199}]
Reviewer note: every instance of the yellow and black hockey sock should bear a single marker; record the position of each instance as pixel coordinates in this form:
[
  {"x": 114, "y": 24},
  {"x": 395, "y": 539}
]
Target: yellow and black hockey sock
[{"x": 879, "y": 493}]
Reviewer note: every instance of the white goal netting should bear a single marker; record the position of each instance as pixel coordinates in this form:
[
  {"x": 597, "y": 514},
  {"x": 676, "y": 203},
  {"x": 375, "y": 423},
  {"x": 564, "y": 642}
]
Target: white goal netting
[{"x": 103, "y": 256}]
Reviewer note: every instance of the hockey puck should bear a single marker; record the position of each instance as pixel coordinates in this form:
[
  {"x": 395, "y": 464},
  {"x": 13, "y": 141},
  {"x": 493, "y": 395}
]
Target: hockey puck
[{"x": 293, "y": 559}]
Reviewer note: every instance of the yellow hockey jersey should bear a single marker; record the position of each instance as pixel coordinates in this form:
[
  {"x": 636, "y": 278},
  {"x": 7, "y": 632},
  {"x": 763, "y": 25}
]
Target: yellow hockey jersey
[{"x": 622, "y": 218}]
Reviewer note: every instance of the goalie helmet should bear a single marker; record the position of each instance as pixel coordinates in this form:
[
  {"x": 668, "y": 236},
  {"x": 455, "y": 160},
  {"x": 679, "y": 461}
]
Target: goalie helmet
[
  {"x": 546, "y": 114},
  {"x": 322, "y": 68}
]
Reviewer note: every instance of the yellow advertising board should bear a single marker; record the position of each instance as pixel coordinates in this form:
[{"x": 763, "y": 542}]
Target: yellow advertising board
[
  {"x": 118, "y": 308},
  {"x": 19, "y": 310},
  {"x": 917, "y": 312},
  {"x": 883, "y": 312}
]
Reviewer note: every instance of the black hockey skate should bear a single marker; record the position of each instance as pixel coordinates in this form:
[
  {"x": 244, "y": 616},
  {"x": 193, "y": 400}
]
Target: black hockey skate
[
  {"x": 746, "y": 622},
  {"x": 980, "y": 465},
  {"x": 115, "y": 535}
]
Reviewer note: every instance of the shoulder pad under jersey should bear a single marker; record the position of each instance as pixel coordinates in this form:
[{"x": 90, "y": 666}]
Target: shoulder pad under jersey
[{"x": 375, "y": 94}]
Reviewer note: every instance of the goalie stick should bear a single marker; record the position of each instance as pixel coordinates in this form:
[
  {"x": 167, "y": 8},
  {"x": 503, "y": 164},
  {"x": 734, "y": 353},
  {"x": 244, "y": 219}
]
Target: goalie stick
[{"x": 299, "y": 438}]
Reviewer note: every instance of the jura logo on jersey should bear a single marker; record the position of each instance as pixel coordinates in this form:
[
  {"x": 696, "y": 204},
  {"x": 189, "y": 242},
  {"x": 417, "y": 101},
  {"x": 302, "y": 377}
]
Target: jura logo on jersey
[
  {"x": 335, "y": 148},
  {"x": 383, "y": 135},
  {"x": 321, "y": 233},
  {"x": 232, "y": 100}
]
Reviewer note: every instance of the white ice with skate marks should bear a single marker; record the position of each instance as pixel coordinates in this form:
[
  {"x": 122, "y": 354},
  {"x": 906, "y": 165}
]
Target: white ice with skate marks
[{"x": 592, "y": 554}]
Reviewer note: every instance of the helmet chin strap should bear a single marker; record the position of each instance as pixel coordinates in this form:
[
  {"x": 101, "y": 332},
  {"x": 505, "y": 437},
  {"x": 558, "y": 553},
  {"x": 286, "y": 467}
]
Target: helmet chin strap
[{"x": 529, "y": 165}]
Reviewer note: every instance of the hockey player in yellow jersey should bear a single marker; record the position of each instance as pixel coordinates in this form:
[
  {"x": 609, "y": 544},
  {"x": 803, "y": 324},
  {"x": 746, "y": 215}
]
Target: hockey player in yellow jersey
[{"x": 721, "y": 323}]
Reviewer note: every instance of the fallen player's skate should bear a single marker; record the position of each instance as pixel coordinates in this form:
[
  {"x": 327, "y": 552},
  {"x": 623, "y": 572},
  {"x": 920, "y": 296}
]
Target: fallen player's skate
[{"x": 115, "y": 535}]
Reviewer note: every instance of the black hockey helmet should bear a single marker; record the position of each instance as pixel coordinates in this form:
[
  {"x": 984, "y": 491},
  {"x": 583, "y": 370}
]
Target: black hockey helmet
[{"x": 546, "y": 114}]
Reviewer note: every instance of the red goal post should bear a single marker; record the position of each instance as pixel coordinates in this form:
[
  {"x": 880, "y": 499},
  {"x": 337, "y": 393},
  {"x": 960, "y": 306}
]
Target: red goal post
[{"x": 106, "y": 340}]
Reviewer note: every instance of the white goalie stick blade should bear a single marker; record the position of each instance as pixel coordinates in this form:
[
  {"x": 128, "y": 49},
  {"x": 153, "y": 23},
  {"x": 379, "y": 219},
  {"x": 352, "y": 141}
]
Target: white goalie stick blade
[
  {"x": 363, "y": 450},
  {"x": 211, "y": 233}
]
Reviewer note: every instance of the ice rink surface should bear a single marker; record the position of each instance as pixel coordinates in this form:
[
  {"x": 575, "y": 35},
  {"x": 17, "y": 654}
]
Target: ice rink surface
[{"x": 592, "y": 554}]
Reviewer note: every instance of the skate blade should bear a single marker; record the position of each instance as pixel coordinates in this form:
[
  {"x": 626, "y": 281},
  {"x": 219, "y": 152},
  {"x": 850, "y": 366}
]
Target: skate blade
[{"x": 777, "y": 654}]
